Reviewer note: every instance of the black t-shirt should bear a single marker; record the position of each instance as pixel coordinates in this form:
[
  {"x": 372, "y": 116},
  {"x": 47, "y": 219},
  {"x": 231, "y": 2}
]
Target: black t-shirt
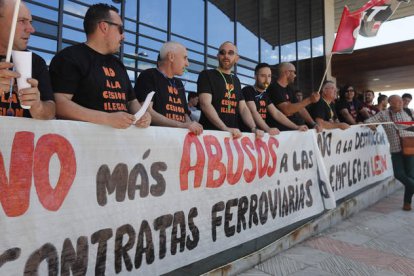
[
  {"x": 323, "y": 110},
  {"x": 278, "y": 95},
  {"x": 169, "y": 98},
  {"x": 353, "y": 108},
  {"x": 40, "y": 73},
  {"x": 96, "y": 81},
  {"x": 260, "y": 99},
  {"x": 226, "y": 94}
]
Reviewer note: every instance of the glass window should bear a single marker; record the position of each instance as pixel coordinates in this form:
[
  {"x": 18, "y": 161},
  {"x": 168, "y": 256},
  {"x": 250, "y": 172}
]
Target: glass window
[
  {"x": 317, "y": 47},
  {"x": 50, "y": 3},
  {"x": 269, "y": 54},
  {"x": 77, "y": 36},
  {"x": 247, "y": 29},
  {"x": 188, "y": 19},
  {"x": 131, "y": 9},
  {"x": 288, "y": 52},
  {"x": 45, "y": 28},
  {"x": 220, "y": 24},
  {"x": 161, "y": 35},
  {"x": 73, "y": 21},
  {"x": 42, "y": 12},
  {"x": 43, "y": 43},
  {"x": 75, "y": 8},
  {"x": 154, "y": 13}
]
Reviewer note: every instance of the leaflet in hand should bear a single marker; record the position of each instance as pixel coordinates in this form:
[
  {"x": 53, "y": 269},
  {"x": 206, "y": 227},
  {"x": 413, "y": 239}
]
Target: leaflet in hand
[{"x": 144, "y": 106}]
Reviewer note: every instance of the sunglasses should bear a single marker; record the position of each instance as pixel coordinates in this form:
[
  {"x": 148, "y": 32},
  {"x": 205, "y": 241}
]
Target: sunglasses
[
  {"x": 223, "y": 52},
  {"x": 120, "y": 26}
]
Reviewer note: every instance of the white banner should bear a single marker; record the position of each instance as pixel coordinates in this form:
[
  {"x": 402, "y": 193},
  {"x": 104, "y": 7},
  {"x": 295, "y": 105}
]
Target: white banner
[
  {"x": 355, "y": 158},
  {"x": 83, "y": 198}
]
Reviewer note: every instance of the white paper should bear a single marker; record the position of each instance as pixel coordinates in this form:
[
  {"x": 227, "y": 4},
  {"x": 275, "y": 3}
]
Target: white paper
[
  {"x": 22, "y": 61},
  {"x": 144, "y": 106}
]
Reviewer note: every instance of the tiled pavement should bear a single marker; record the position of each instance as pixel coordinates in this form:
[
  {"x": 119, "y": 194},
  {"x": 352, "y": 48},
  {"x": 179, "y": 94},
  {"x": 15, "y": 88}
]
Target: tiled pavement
[{"x": 377, "y": 241}]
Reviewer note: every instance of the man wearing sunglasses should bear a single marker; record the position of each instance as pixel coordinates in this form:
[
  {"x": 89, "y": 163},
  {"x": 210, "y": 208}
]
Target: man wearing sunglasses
[
  {"x": 39, "y": 96},
  {"x": 221, "y": 101},
  {"x": 89, "y": 82}
]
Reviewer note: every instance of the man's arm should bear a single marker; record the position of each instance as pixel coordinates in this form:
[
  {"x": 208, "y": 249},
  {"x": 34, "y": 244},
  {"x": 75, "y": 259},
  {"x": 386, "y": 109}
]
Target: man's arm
[
  {"x": 259, "y": 120},
  {"x": 331, "y": 125},
  {"x": 211, "y": 114},
  {"x": 289, "y": 108},
  {"x": 248, "y": 119},
  {"x": 347, "y": 116},
  {"x": 67, "y": 109},
  {"x": 281, "y": 118},
  {"x": 160, "y": 120}
]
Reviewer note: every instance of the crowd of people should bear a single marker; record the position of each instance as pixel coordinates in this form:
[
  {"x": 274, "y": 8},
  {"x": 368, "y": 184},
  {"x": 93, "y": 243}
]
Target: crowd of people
[{"x": 86, "y": 82}]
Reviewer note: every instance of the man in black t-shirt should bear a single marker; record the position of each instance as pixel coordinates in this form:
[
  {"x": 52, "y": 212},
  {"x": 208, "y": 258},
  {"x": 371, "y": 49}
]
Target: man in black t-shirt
[
  {"x": 39, "y": 97},
  {"x": 169, "y": 106},
  {"x": 323, "y": 112},
  {"x": 282, "y": 96},
  {"x": 260, "y": 105},
  {"x": 89, "y": 82},
  {"x": 221, "y": 101}
]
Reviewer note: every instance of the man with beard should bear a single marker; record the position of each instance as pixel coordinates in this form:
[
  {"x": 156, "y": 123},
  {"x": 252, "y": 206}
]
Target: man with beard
[
  {"x": 281, "y": 94},
  {"x": 89, "y": 82},
  {"x": 260, "y": 105},
  {"x": 221, "y": 101},
  {"x": 368, "y": 107}
]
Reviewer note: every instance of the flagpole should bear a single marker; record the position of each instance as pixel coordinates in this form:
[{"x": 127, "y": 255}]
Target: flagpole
[
  {"x": 326, "y": 71},
  {"x": 12, "y": 30}
]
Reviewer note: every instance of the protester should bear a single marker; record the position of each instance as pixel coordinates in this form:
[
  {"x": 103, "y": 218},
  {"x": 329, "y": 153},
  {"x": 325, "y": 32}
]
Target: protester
[
  {"x": 368, "y": 107},
  {"x": 281, "y": 95},
  {"x": 169, "y": 105},
  {"x": 403, "y": 165},
  {"x": 260, "y": 105},
  {"x": 406, "y": 97},
  {"x": 192, "y": 101},
  {"x": 382, "y": 102},
  {"x": 299, "y": 95},
  {"x": 221, "y": 101},
  {"x": 89, "y": 82},
  {"x": 348, "y": 108},
  {"x": 39, "y": 96},
  {"x": 323, "y": 112}
]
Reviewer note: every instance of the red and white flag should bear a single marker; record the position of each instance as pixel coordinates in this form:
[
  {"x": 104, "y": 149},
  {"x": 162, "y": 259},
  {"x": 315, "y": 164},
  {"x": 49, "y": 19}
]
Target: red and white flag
[
  {"x": 347, "y": 32},
  {"x": 365, "y": 21},
  {"x": 375, "y": 14}
]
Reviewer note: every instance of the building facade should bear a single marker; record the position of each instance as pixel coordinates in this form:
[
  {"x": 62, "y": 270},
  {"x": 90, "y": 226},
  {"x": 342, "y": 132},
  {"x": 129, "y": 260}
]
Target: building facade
[{"x": 269, "y": 31}]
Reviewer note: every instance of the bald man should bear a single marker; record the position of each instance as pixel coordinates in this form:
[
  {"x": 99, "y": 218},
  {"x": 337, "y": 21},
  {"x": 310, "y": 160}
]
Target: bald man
[
  {"x": 282, "y": 96},
  {"x": 169, "y": 105},
  {"x": 39, "y": 95},
  {"x": 221, "y": 100}
]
